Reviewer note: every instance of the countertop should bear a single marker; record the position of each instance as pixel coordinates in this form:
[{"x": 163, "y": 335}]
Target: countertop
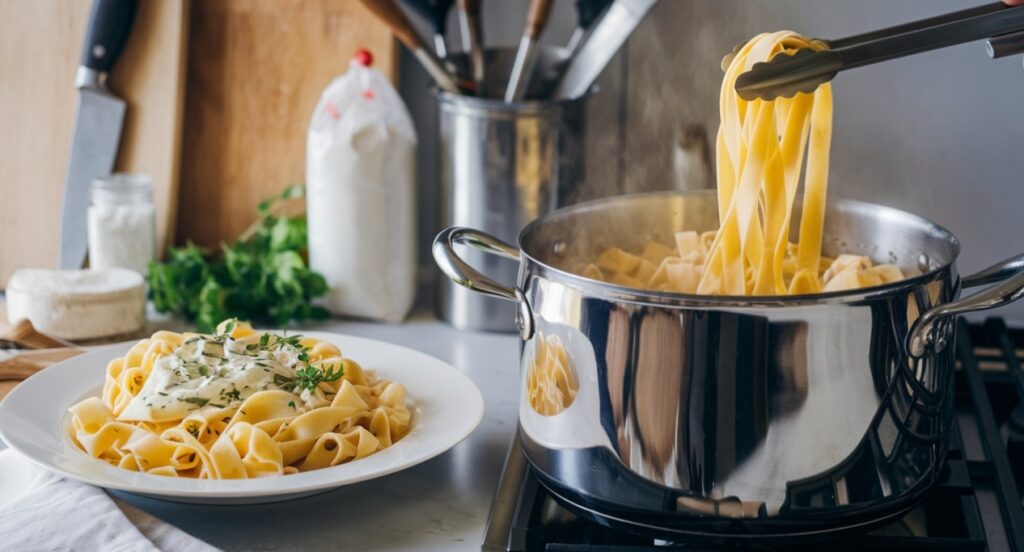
[{"x": 441, "y": 504}]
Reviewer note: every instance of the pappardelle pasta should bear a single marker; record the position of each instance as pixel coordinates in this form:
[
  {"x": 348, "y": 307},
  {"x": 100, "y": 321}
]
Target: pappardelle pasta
[
  {"x": 551, "y": 384},
  {"x": 679, "y": 269},
  {"x": 237, "y": 405},
  {"x": 761, "y": 147}
]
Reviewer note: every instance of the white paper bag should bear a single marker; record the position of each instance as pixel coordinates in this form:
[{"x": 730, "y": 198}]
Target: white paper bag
[{"x": 360, "y": 173}]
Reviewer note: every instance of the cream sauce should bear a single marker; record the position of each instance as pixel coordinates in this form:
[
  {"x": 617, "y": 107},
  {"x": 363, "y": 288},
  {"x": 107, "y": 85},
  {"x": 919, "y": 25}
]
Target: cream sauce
[{"x": 206, "y": 372}]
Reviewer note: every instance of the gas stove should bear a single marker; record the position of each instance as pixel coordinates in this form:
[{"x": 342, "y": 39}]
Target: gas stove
[{"x": 976, "y": 506}]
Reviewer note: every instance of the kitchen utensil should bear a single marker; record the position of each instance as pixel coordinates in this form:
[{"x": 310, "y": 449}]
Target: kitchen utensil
[
  {"x": 473, "y": 40},
  {"x": 22, "y": 365},
  {"x": 786, "y": 75},
  {"x": 436, "y": 12},
  {"x": 446, "y": 407},
  {"x": 1005, "y": 45},
  {"x": 587, "y": 12},
  {"x": 526, "y": 55},
  {"x": 40, "y": 351},
  {"x": 501, "y": 166},
  {"x": 389, "y": 12},
  {"x": 499, "y": 61},
  {"x": 98, "y": 124},
  {"x": 738, "y": 416},
  {"x": 600, "y": 46},
  {"x": 23, "y": 335}
]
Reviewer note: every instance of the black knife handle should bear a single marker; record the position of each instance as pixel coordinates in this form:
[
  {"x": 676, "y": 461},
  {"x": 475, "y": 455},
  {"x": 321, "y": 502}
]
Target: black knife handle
[
  {"x": 587, "y": 11},
  {"x": 109, "y": 25}
]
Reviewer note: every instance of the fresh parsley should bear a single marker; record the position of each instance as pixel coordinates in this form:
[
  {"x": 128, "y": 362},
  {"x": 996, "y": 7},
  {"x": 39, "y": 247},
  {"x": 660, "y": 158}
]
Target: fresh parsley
[
  {"x": 308, "y": 377},
  {"x": 262, "y": 277},
  {"x": 229, "y": 326},
  {"x": 195, "y": 400}
]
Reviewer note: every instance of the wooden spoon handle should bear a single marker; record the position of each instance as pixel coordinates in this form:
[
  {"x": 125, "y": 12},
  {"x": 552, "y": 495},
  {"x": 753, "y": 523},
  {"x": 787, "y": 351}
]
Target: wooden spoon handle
[
  {"x": 23, "y": 365},
  {"x": 537, "y": 18}
]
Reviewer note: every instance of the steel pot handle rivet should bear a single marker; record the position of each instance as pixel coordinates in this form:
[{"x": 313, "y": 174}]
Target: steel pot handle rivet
[
  {"x": 1008, "y": 279},
  {"x": 461, "y": 273}
]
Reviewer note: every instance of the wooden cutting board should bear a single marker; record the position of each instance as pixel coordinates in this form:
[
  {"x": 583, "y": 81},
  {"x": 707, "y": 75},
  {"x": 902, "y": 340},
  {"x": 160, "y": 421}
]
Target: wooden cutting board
[
  {"x": 255, "y": 72},
  {"x": 42, "y": 42}
]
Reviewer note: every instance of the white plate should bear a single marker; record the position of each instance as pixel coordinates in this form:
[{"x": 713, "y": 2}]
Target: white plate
[{"x": 446, "y": 407}]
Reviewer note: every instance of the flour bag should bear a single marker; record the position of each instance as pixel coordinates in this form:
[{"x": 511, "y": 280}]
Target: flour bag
[{"x": 360, "y": 173}]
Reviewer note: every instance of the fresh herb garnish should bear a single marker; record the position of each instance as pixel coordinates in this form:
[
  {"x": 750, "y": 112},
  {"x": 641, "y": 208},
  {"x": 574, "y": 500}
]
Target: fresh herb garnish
[
  {"x": 262, "y": 277},
  {"x": 195, "y": 400},
  {"x": 229, "y": 326},
  {"x": 308, "y": 377},
  {"x": 291, "y": 404},
  {"x": 234, "y": 395}
]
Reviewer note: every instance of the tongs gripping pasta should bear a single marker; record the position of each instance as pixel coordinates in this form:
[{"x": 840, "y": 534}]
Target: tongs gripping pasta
[{"x": 803, "y": 71}]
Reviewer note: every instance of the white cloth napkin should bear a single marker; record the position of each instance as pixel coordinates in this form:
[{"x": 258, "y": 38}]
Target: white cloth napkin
[{"x": 53, "y": 513}]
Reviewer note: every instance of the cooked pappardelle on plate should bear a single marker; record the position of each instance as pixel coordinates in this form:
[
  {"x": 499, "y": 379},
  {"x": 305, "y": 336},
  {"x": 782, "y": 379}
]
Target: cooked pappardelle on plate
[{"x": 236, "y": 405}]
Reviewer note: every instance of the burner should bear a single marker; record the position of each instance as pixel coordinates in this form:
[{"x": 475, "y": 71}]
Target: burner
[{"x": 975, "y": 506}]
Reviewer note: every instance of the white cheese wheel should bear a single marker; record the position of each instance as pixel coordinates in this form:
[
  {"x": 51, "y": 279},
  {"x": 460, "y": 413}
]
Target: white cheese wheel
[{"x": 78, "y": 304}]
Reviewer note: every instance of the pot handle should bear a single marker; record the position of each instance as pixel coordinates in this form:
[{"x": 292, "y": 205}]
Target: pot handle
[
  {"x": 461, "y": 273},
  {"x": 1008, "y": 277}
]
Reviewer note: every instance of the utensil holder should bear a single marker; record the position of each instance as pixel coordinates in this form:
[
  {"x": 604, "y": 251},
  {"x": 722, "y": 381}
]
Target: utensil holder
[{"x": 502, "y": 165}]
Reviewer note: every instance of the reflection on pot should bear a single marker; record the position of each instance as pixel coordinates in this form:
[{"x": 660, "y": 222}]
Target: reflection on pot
[{"x": 551, "y": 384}]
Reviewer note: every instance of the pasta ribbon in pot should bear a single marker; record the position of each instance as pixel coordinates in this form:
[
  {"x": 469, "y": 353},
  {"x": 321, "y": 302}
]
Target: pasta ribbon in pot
[
  {"x": 551, "y": 384},
  {"x": 237, "y": 405},
  {"x": 761, "y": 147},
  {"x": 661, "y": 268}
]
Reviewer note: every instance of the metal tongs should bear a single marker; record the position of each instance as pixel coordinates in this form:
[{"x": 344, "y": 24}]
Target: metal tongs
[{"x": 806, "y": 69}]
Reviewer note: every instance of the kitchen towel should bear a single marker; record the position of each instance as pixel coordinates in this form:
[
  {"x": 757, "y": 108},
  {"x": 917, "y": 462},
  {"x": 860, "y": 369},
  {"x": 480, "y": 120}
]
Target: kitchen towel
[{"x": 54, "y": 513}]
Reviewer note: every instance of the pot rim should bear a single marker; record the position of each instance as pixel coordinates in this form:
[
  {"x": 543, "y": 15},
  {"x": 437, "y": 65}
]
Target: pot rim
[{"x": 633, "y": 295}]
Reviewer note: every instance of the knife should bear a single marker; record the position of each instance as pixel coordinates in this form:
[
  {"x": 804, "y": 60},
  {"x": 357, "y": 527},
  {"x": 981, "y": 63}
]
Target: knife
[
  {"x": 526, "y": 55},
  {"x": 436, "y": 13},
  {"x": 472, "y": 40},
  {"x": 98, "y": 123},
  {"x": 600, "y": 45},
  {"x": 587, "y": 12}
]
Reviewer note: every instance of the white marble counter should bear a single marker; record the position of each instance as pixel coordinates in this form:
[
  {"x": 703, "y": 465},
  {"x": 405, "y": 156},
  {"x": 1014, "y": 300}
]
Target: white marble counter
[{"x": 441, "y": 504}]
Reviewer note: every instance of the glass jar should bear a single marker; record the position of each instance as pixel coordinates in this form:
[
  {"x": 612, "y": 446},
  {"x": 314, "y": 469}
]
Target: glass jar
[{"x": 122, "y": 222}]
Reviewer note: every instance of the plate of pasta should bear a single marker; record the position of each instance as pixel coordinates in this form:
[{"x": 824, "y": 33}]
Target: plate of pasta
[{"x": 239, "y": 415}]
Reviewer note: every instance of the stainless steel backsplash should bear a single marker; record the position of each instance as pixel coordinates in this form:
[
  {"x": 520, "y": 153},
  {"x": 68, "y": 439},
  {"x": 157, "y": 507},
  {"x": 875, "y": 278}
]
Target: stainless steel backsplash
[{"x": 938, "y": 134}]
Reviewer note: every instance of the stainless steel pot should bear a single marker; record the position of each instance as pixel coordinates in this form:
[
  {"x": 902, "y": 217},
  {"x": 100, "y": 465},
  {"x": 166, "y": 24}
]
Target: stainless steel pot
[{"x": 738, "y": 415}]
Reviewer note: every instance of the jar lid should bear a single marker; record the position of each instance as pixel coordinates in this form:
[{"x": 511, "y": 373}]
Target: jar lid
[{"x": 122, "y": 188}]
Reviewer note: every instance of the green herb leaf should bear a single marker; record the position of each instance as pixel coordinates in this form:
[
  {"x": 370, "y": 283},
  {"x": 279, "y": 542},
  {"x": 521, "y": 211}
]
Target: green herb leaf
[
  {"x": 195, "y": 400},
  {"x": 263, "y": 277}
]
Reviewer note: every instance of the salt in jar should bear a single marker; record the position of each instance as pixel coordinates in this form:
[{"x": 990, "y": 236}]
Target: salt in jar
[{"x": 122, "y": 222}]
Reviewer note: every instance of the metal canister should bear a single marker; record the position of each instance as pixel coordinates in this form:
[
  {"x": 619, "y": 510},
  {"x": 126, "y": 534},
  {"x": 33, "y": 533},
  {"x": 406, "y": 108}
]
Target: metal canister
[{"x": 502, "y": 165}]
